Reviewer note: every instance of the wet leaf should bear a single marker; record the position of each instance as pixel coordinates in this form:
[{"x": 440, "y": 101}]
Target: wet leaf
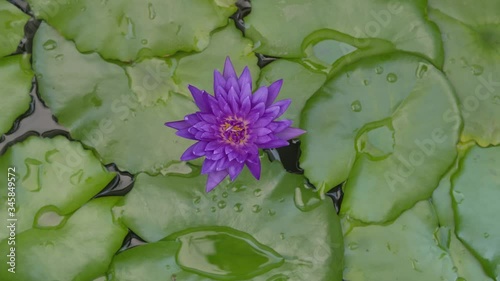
[
  {"x": 81, "y": 249},
  {"x": 472, "y": 63},
  {"x": 12, "y": 21},
  {"x": 128, "y": 30},
  {"x": 15, "y": 78},
  {"x": 93, "y": 99},
  {"x": 358, "y": 23},
  {"x": 475, "y": 193},
  {"x": 379, "y": 125},
  {"x": 53, "y": 178},
  {"x": 405, "y": 248},
  {"x": 265, "y": 211}
]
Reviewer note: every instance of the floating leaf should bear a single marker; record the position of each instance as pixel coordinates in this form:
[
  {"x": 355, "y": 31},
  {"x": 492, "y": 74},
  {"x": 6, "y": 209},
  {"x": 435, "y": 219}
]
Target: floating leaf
[
  {"x": 12, "y": 21},
  {"x": 405, "y": 248},
  {"x": 475, "y": 193},
  {"x": 388, "y": 135},
  {"x": 126, "y": 30},
  {"x": 81, "y": 249},
  {"x": 472, "y": 63},
  {"x": 264, "y": 211},
  {"x": 53, "y": 178},
  {"x": 15, "y": 78}
]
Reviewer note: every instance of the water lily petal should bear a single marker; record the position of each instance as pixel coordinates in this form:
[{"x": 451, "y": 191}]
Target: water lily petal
[
  {"x": 213, "y": 145},
  {"x": 208, "y": 166},
  {"x": 245, "y": 78},
  {"x": 186, "y": 134},
  {"x": 222, "y": 164},
  {"x": 199, "y": 148},
  {"x": 262, "y": 131},
  {"x": 260, "y": 96},
  {"x": 229, "y": 69},
  {"x": 179, "y": 125},
  {"x": 235, "y": 169},
  {"x": 274, "y": 144},
  {"x": 188, "y": 154},
  {"x": 219, "y": 81},
  {"x": 199, "y": 98},
  {"x": 290, "y": 133},
  {"x": 233, "y": 100},
  {"x": 253, "y": 164},
  {"x": 273, "y": 91},
  {"x": 214, "y": 179},
  {"x": 283, "y": 105},
  {"x": 232, "y": 83},
  {"x": 245, "y": 107}
]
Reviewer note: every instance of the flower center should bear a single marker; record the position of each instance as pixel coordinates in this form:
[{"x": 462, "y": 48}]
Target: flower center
[{"x": 234, "y": 130}]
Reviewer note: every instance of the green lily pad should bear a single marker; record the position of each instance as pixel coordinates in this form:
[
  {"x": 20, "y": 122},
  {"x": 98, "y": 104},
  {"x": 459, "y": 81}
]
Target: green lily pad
[
  {"x": 466, "y": 265},
  {"x": 53, "y": 178},
  {"x": 127, "y": 30},
  {"x": 299, "y": 84},
  {"x": 152, "y": 78},
  {"x": 475, "y": 193},
  {"x": 472, "y": 63},
  {"x": 283, "y": 218},
  {"x": 15, "y": 78},
  {"x": 93, "y": 98},
  {"x": 80, "y": 249},
  {"x": 379, "y": 122},
  {"x": 401, "y": 24},
  {"x": 12, "y": 21},
  {"x": 405, "y": 249}
]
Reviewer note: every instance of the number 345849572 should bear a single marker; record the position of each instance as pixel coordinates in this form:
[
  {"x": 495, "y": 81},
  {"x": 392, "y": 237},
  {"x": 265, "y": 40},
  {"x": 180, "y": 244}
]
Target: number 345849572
[{"x": 11, "y": 187}]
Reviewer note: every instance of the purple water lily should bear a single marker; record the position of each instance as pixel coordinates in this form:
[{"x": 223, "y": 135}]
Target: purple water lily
[{"x": 232, "y": 126}]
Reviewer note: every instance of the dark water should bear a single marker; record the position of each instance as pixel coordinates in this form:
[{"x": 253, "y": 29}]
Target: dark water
[{"x": 40, "y": 121}]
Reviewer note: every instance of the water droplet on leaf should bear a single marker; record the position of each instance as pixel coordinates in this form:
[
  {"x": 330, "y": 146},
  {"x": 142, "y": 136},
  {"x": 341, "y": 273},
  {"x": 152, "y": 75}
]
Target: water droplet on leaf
[
  {"x": 477, "y": 69},
  {"x": 353, "y": 246},
  {"x": 152, "y": 12},
  {"x": 50, "y": 45},
  {"x": 391, "y": 78},
  {"x": 256, "y": 208},
  {"x": 221, "y": 204},
  {"x": 238, "y": 207},
  {"x": 496, "y": 100},
  {"x": 356, "y": 106},
  {"x": 306, "y": 200},
  {"x": 421, "y": 70}
]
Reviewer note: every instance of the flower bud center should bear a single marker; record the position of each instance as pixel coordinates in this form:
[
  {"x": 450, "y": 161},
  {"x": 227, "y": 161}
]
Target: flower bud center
[{"x": 234, "y": 130}]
